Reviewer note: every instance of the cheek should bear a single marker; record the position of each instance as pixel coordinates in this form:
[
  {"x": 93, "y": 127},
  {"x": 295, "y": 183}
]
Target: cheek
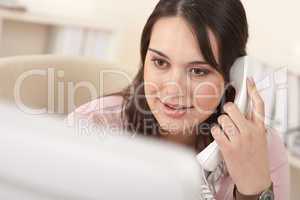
[
  {"x": 207, "y": 96},
  {"x": 151, "y": 83}
]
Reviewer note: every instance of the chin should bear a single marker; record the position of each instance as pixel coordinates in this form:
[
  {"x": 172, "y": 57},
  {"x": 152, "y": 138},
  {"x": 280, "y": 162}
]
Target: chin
[{"x": 172, "y": 125}]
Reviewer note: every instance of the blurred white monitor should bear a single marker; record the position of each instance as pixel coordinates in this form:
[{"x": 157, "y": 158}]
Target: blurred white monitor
[{"x": 41, "y": 158}]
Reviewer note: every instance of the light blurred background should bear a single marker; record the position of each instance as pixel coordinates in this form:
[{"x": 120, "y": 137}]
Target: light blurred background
[
  {"x": 273, "y": 29},
  {"x": 110, "y": 32}
]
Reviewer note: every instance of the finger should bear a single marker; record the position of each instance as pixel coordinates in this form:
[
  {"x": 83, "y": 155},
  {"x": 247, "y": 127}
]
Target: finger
[
  {"x": 249, "y": 115},
  {"x": 228, "y": 127},
  {"x": 250, "y": 106},
  {"x": 236, "y": 116},
  {"x": 258, "y": 111},
  {"x": 220, "y": 137}
]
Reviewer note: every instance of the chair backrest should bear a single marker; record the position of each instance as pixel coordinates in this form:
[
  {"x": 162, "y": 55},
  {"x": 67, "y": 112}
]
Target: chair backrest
[{"x": 56, "y": 84}]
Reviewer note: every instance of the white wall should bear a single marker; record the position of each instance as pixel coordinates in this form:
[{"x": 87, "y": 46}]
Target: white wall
[
  {"x": 275, "y": 31},
  {"x": 66, "y": 8}
]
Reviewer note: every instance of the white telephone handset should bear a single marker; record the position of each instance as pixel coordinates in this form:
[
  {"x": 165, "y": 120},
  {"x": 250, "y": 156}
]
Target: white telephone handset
[{"x": 210, "y": 157}]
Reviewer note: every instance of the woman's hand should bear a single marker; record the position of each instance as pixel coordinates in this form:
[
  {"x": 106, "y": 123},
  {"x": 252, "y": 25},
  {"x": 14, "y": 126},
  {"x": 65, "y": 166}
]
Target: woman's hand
[{"x": 243, "y": 143}]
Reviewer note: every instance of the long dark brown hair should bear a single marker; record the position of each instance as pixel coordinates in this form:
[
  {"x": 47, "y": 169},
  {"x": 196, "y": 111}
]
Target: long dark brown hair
[{"x": 227, "y": 20}]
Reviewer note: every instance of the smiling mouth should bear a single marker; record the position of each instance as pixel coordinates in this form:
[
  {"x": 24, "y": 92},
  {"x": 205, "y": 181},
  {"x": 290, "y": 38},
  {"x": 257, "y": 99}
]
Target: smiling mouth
[{"x": 177, "y": 107}]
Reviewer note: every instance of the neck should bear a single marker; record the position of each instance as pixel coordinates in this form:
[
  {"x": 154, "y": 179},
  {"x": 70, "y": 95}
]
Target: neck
[{"x": 186, "y": 139}]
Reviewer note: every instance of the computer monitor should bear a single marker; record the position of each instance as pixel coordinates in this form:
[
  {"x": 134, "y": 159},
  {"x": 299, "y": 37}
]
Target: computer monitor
[{"x": 41, "y": 158}]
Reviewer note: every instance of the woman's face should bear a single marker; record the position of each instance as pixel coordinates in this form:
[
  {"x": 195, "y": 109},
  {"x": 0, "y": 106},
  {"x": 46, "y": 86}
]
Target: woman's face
[{"x": 181, "y": 89}]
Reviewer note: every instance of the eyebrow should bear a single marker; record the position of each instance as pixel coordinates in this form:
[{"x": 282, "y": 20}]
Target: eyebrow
[{"x": 165, "y": 56}]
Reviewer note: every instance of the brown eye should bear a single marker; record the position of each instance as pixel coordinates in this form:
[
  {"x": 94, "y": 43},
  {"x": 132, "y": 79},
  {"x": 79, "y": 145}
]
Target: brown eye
[
  {"x": 198, "y": 72},
  {"x": 160, "y": 63}
]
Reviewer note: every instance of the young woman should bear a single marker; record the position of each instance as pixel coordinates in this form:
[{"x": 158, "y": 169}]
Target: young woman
[{"x": 181, "y": 93}]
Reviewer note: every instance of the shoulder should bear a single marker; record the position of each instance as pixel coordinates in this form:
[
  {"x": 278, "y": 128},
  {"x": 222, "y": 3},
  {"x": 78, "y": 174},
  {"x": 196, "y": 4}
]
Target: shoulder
[
  {"x": 101, "y": 105},
  {"x": 102, "y": 111},
  {"x": 277, "y": 151},
  {"x": 279, "y": 165}
]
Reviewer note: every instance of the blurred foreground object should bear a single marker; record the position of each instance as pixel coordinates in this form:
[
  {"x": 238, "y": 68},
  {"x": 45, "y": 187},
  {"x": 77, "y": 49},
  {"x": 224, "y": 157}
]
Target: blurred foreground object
[{"x": 41, "y": 158}]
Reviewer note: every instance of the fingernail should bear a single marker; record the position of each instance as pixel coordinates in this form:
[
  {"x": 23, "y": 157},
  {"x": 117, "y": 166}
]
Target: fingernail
[
  {"x": 252, "y": 80},
  {"x": 248, "y": 81}
]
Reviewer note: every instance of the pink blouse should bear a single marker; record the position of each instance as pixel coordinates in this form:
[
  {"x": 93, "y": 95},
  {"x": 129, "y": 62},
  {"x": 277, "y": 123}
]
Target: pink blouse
[{"x": 106, "y": 111}]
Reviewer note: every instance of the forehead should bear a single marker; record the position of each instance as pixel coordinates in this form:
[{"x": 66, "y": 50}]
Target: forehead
[{"x": 174, "y": 37}]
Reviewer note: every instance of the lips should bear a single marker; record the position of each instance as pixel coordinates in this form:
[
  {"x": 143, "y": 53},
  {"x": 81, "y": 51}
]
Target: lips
[
  {"x": 177, "y": 107},
  {"x": 174, "y": 110}
]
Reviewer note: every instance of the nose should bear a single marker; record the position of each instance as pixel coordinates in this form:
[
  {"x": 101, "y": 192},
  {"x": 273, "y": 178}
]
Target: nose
[{"x": 175, "y": 85}]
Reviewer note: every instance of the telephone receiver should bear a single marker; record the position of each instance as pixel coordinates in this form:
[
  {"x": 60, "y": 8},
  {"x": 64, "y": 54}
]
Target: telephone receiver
[{"x": 243, "y": 67}]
